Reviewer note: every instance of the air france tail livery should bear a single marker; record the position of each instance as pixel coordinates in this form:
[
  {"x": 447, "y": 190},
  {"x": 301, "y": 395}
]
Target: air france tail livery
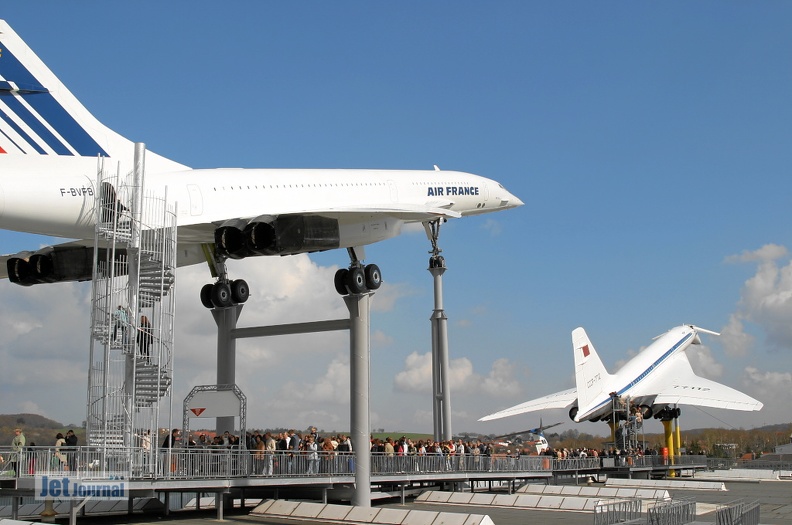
[
  {"x": 49, "y": 146},
  {"x": 655, "y": 380}
]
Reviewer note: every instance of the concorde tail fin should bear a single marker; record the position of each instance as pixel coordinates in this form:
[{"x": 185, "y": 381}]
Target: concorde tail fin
[
  {"x": 39, "y": 116},
  {"x": 591, "y": 377}
]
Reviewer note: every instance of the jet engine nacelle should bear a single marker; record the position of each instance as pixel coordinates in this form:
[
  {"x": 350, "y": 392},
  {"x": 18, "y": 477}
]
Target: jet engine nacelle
[
  {"x": 283, "y": 235},
  {"x": 573, "y": 412},
  {"x": 54, "y": 264}
]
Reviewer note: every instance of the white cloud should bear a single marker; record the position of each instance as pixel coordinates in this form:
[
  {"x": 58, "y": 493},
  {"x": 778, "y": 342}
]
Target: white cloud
[
  {"x": 385, "y": 299},
  {"x": 765, "y": 300},
  {"x": 771, "y": 388},
  {"x": 500, "y": 381},
  {"x": 734, "y": 339},
  {"x": 768, "y": 252},
  {"x": 492, "y": 226},
  {"x": 703, "y": 362},
  {"x": 417, "y": 377}
]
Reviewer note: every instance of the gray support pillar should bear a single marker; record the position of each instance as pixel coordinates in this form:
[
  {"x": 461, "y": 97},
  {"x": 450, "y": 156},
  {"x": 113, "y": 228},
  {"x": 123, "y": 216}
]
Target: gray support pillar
[
  {"x": 133, "y": 262},
  {"x": 359, "y": 371},
  {"x": 437, "y": 389},
  {"x": 219, "y": 503},
  {"x": 226, "y": 319},
  {"x": 440, "y": 368}
]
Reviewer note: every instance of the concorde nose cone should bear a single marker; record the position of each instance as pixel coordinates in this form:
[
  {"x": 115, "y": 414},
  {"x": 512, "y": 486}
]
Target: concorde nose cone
[{"x": 515, "y": 202}]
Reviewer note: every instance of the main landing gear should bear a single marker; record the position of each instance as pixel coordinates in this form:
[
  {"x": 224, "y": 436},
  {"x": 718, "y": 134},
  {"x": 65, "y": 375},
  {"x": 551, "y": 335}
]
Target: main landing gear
[
  {"x": 358, "y": 278},
  {"x": 225, "y": 292}
]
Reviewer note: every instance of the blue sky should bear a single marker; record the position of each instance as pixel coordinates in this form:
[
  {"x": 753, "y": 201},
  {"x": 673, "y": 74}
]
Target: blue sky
[{"x": 650, "y": 143}]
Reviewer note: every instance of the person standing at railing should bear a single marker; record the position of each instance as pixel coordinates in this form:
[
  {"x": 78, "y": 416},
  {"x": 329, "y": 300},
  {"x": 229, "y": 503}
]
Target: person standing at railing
[
  {"x": 294, "y": 449},
  {"x": 328, "y": 455},
  {"x": 59, "y": 459},
  {"x": 17, "y": 448},
  {"x": 171, "y": 441},
  {"x": 269, "y": 451},
  {"x": 460, "y": 453},
  {"x": 312, "y": 452},
  {"x": 259, "y": 453},
  {"x": 71, "y": 449},
  {"x": 345, "y": 446}
]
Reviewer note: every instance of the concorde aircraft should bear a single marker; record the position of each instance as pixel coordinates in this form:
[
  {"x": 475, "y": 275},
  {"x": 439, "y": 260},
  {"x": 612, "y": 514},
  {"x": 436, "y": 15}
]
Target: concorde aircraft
[
  {"x": 49, "y": 150},
  {"x": 656, "y": 380}
]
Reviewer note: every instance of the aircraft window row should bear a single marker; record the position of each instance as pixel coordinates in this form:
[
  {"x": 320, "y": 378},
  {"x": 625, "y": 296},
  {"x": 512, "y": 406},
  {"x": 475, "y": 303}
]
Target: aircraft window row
[{"x": 284, "y": 186}]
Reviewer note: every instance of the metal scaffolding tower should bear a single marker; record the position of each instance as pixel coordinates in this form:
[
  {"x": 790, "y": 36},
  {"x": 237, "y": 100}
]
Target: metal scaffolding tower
[{"x": 133, "y": 304}]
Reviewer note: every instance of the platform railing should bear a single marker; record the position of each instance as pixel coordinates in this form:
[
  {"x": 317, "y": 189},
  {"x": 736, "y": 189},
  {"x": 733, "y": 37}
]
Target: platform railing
[
  {"x": 181, "y": 463},
  {"x": 213, "y": 463}
]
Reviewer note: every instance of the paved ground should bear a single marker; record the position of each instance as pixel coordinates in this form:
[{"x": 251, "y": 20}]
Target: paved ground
[{"x": 775, "y": 498}]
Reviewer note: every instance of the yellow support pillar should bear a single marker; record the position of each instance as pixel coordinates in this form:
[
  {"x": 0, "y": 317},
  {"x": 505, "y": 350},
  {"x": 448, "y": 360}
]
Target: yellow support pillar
[
  {"x": 613, "y": 426},
  {"x": 677, "y": 440},
  {"x": 669, "y": 440}
]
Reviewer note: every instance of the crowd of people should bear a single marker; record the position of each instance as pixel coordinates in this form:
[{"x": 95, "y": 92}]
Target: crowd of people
[
  {"x": 287, "y": 452},
  {"x": 63, "y": 458}
]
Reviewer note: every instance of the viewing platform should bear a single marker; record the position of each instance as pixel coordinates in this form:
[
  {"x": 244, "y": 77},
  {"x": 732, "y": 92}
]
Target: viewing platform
[{"x": 222, "y": 470}]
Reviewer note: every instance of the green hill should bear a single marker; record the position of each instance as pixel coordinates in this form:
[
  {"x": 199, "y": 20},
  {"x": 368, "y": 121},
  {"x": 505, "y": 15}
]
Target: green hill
[{"x": 37, "y": 429}]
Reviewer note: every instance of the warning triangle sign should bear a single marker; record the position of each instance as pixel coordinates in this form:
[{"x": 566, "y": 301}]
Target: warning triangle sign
[{"x": 197, "y": 411}]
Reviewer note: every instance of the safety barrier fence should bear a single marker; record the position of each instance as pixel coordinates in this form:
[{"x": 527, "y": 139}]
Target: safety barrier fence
[
  {"x": 674, "y": 512},
  {"x": 210, "y": 463},
  {"x": 653, "y": 461},
  {"x": 738, "y": 513},
  {"x": 617, "y": 511}
]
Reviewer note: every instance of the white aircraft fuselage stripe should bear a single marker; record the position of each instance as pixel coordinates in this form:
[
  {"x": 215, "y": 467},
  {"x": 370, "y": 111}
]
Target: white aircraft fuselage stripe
[{"x": 636, "y": 380}]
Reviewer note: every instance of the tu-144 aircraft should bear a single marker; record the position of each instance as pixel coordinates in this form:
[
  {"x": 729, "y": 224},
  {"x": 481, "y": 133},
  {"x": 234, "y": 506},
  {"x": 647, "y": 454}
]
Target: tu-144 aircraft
[
  {"x": 50, "y": 143},
  {"x": 656, "y": 380}
]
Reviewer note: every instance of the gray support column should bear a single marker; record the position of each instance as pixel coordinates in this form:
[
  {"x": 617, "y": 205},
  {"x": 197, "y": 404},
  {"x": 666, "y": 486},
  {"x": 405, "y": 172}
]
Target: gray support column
[
  {"x": 219, "y": 503},
  {"x": 226, "y": 319},
  {"x": 359, "y": 371},
  {"x": 133, "y": 261},
  {"x": 437, "y": 389},
  {"x": 440, "y": 368}
]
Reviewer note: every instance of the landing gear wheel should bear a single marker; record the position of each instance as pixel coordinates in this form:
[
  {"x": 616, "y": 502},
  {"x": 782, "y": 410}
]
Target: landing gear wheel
[
  {"x": 239, "y": 291},
  {"x": 340, "y": 281},
  {"x": 206, "y": 296},
  {"x": 373, "y": 276},
  {"x": 221, "y": 295},
  {"x": 356, "y": 281}
]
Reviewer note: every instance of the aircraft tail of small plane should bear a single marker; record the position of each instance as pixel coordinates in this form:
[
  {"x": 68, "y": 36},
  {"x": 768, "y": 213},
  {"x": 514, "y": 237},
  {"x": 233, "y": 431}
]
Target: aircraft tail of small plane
[
  {"x": 591, "y": 377},
  {"x": 41, "y": 118}
]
